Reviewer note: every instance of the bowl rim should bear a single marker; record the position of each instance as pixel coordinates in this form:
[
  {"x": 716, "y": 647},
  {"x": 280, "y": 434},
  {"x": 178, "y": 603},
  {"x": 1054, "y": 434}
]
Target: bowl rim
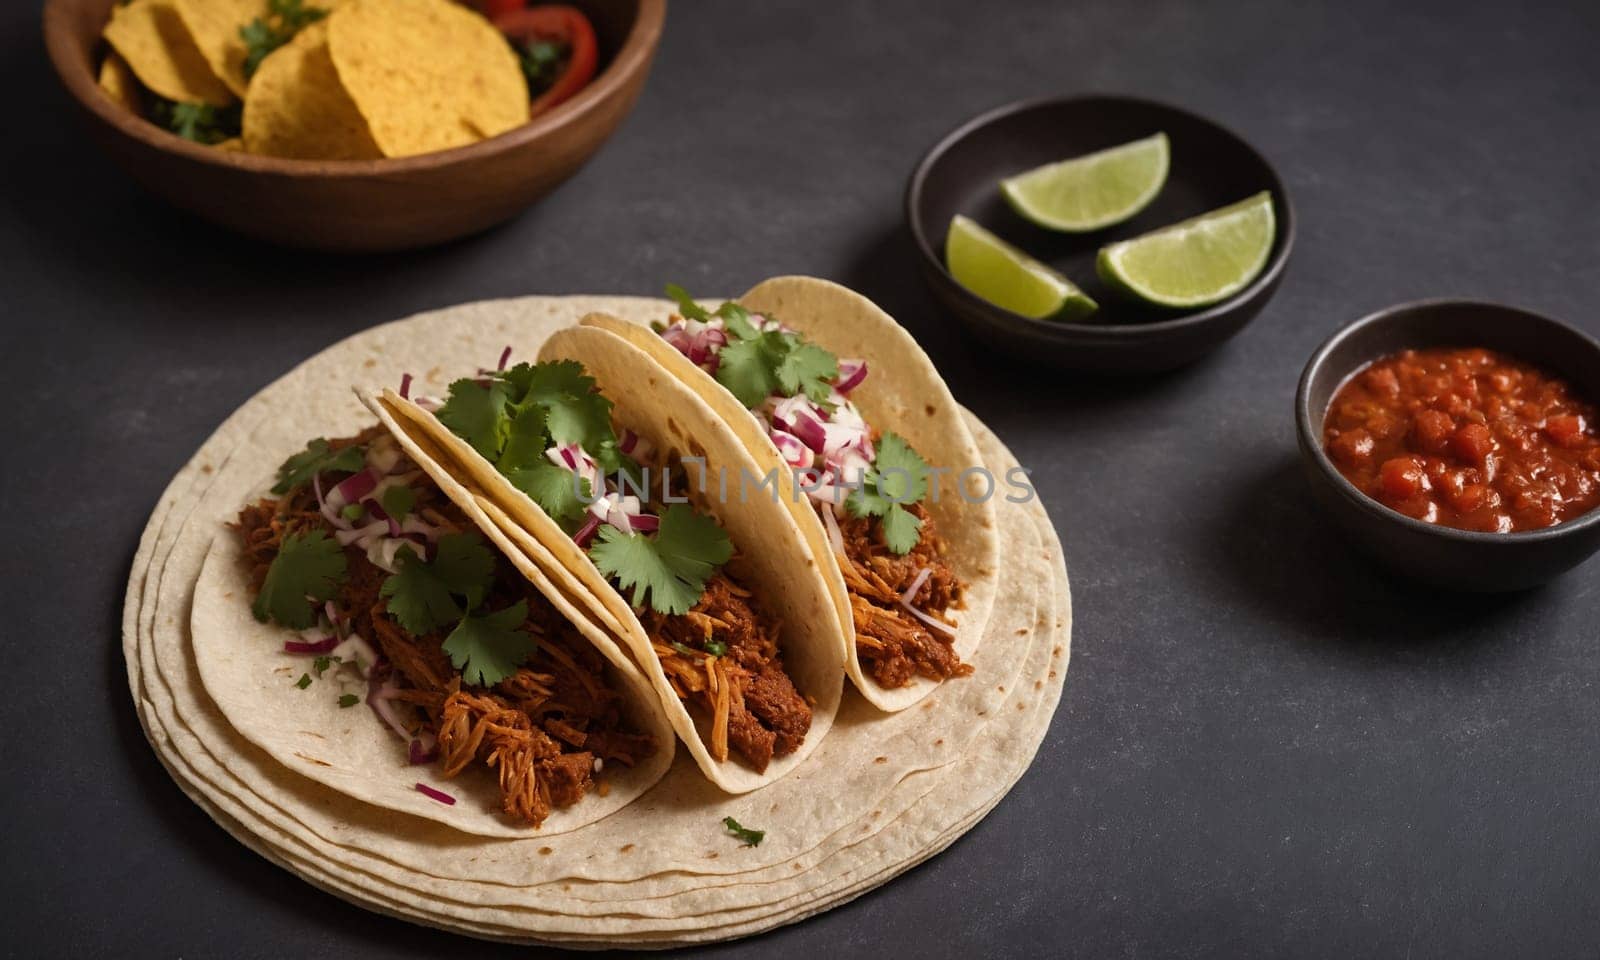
[
  {"x": 1307, "y": 426},
  {"x": 1264, "y": 281},
  {"x": 635, "y": 52}
]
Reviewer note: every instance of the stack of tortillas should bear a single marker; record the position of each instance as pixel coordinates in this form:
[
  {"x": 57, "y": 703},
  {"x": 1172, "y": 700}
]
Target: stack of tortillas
[
  {"x": 372, "y": 78},
  {"x": 880, "y": 794}
]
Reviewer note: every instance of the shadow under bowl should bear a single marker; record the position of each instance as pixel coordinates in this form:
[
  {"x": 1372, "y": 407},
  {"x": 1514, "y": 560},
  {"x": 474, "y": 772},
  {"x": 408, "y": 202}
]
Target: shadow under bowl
[
  {"x": 367, "y": 205},
  {"x": 1445, "y": 556},
  {"x": 1211, "y": 167}
]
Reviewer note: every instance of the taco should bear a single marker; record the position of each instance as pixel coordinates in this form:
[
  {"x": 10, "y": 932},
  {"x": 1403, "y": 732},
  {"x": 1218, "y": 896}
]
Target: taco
[
  {"x": 875, "y": 464},
  {"x": 610, "y": 480},
  {"x": 368, "y": 584}
]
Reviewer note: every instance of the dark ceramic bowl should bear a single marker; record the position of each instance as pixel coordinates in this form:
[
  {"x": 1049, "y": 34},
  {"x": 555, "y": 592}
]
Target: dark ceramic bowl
[
  {"x": 1211, "y": 167},
  {"x": 1444, "y": 556}
]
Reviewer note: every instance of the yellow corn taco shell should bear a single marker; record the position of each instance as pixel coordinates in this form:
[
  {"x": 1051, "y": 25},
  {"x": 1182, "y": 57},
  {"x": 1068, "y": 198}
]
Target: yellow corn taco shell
[
  {"x": 903, "y": 393},
  {"x": 215, "y": 25},
  {"x": 118, "y": 82},
  {"x": 770, "y": 556},
  {"x": 152, "y": 38},
  {"x": 427, "y": 74},
  {"x": 296, "y": 107}
]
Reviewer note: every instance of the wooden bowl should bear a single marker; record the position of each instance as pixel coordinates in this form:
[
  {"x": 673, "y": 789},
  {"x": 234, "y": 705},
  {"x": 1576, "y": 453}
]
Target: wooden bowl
[{"x": 365, "y": 205}]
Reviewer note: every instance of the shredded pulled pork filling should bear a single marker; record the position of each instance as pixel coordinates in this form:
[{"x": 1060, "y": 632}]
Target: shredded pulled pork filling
[
  {"x": 753, "y": 705},
  {"x": 543, "y": 729},
  {"x": 894, "y": 644}
]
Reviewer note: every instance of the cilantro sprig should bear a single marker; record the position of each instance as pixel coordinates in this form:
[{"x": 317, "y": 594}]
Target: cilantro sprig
[
  {"x": 489, "y": 647},
  {"x": 898, "y": 477},
  {"x": 317, "y": 457},
  {"x": 750, "y": 838},
  {"x": 429, "y": 595},
  {"x": 518, "y": 414},
  {"x": 284, "y": 19},
  {"x": 306, "y": 573},
  {"x": 667, "y": 571},
  {"x": 200, "y": 122},
  {"x": 755, "y": 364}
]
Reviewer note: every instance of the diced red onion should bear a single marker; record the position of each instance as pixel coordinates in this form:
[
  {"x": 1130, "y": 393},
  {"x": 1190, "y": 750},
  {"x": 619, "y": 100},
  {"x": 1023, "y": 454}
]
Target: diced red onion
[
  {"x": 376, "y": 528},
  {"x": 835, "y": 536},
  {"x": 379, "y": 695},
  {"x": 504, "y": 356},
  {"x": 424, "y": 749},
  {"x": 851, "y": 373},
  {"x": 916, "y": 585},
  {"x": 586, "y": 532},
  {"x": 430, "y": 404},
  {"x": 438, "y": 795},
  {"x": 633, "y": 445},
  {"x": 933, "y": 623},
  {"x": 405, "y": 386},
  {"x": 358, "y": 651},
  {"x": 794, "y": 452},
  {"x": 645, "y": 523},
  {"x": 378, "y": 513},
  {"x": 329, "y": 512},
  {"x": 332, "y": 612},
  {"x": 809, "y": 429},
  {"x": 320, "y": 646},
  {"x": 352, "y": 488}
]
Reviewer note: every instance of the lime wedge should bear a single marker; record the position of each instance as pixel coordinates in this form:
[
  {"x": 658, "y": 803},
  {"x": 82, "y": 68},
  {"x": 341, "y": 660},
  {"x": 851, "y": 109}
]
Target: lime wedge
[
  {"x": 1196, "y": 262},
  {"x": 1091, "y": 191},
  {"x": 1009, "y": 278}
]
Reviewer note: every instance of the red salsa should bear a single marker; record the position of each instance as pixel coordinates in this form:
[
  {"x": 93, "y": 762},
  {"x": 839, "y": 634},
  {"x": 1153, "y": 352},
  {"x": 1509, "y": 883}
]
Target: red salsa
[{"x": 1466, "y": 438}]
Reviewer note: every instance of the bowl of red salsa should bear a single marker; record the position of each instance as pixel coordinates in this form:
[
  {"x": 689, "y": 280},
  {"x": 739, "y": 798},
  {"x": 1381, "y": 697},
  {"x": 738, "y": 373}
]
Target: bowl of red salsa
[{"x": 1458, "y": 441}]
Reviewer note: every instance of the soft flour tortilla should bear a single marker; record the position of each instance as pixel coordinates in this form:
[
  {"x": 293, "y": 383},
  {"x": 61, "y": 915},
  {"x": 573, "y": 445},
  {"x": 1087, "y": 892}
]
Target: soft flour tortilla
[
  {"x": 357, "y": 884},
  {"x": 770, "y": 556},
  {"x": 902, "y": 393},
  {"x": 245, "y": 670}
]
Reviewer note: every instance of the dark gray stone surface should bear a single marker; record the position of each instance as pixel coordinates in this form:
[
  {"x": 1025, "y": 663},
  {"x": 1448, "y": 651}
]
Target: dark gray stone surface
[{"x": 1265, "y": 748}]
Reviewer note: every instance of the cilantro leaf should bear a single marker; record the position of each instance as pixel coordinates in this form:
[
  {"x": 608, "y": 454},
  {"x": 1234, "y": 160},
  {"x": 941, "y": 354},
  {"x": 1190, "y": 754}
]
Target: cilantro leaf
[
  {"x": 422, "y": 594},
  {"x": 901, "y": 529},
  {"x": 304, "y": 681},
  {"x": 899, "y": 472},
  {"x": 686, "y": 305},
  {"x": 748, "y": 368},
  {"x": 348, "y": 700},
  {"x": 489, "y": 648},
  {"x": 284, "y": 19},
  {"x": 397, "y": 501},
  {"x": 736, "y": 320},
  {"x": 543, "y": 63},
  {"x": 465, "y": 564},
  {"x": 553, "y": 488},
  {"x": 417, "y": 596},
  {"x": 314, "y": 459},
  {"x": 200, "y": 122},
  {"x": 477, "y": 414},
  {"x": 547, "y": 382},
  {"x": 809, "y": 368},
  {"x": 306, "y": 573},
  {"x": 750, "y": 838},
  {"x": 668, "y": 569},
  {"x": 899, "y": 476},
  {"x": 526, "y": 442}
]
